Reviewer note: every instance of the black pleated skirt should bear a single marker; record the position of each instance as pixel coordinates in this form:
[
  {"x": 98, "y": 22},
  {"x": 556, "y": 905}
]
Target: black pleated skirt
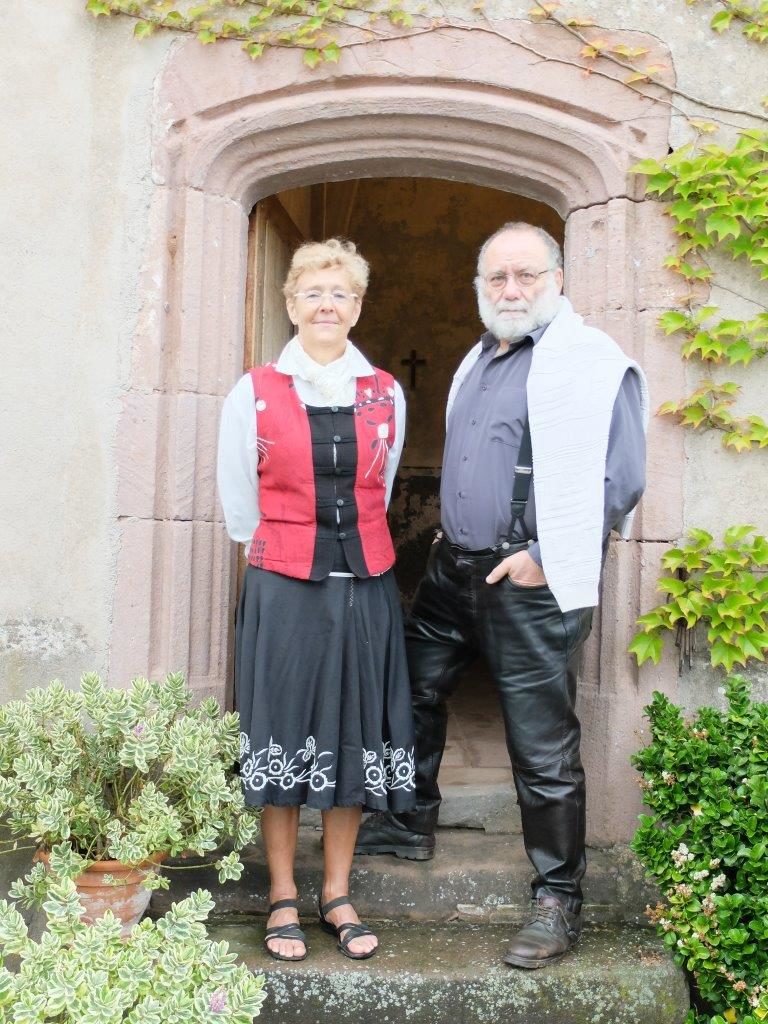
[{"x": 323, "y": 694}]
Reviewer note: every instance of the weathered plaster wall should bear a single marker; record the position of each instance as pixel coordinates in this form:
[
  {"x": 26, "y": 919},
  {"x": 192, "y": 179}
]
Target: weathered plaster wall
[{"x": 75, "y": 187}]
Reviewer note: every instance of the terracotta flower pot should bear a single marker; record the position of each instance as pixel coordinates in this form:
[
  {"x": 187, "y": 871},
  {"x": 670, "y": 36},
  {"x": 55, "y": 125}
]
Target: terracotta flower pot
[{"x": 125, "y": 896}]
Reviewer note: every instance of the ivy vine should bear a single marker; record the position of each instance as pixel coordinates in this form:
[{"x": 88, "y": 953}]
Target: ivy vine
[
  {"x": 718, "y": 198},
  {"x": 752, "y": 17},
  {"x": 261, "y": 25},
  {"x": 723, "y": 588}
]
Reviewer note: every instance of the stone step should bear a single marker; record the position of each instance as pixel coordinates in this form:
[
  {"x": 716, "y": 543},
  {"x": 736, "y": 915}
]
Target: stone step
[
  {"x": 438, "y": 973},
  {"x": 474, "y": 876}
]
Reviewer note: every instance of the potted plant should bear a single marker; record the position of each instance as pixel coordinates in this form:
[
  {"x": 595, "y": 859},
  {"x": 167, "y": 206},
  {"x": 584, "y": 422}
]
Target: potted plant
[
  {"x": 705, "y": 844},
  {"x": 165, "y": 970},
  {"x": 117, "y": 780}
]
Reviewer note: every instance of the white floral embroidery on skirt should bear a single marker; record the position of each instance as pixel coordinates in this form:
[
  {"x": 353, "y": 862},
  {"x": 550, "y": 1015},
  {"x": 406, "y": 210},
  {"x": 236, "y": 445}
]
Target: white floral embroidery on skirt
[
  {"x": 395, "y": 769},
  {"x": 272, "y": 766}
]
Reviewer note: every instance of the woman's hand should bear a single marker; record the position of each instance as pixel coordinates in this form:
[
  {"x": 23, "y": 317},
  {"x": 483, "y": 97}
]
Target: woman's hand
[{"x": 521, "y": 569}]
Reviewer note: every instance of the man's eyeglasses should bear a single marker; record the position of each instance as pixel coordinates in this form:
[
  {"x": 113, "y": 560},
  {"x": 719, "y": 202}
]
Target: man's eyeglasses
[
  {"x": 314, "y": 297},
  {"x": 524, "y": 278}
]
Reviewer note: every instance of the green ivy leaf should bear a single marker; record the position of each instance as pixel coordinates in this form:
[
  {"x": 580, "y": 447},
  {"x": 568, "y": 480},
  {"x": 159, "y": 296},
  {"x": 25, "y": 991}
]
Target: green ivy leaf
[
  {"x": 725, "y": 654},
  {"x": 143, "y": 29},
  {"x": 735, "y": 534},
  {"x": 721, "y": 20},
  {"x": 701, "y": 539},
  {"x": 683, "y": 210},
  {"x": 312, "y": 57},
  {"x": 673, "y": 321},
  {"x": 673, "y": 586},
  {"x": 646, "y": 167},
  {"x": 721, "y": 225},
  {"x": 740, "y": 352},
  {"x": 646, "y": 646}
]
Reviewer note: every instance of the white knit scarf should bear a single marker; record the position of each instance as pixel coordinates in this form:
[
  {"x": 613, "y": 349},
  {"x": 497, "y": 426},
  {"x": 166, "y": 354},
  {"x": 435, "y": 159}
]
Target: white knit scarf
[
  {"x": 575, "y": 376},
  {"x": 331, "y": 381}
]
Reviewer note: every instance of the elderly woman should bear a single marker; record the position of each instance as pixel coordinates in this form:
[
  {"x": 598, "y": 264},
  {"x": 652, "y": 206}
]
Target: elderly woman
[{"x": 308, "y": 450}]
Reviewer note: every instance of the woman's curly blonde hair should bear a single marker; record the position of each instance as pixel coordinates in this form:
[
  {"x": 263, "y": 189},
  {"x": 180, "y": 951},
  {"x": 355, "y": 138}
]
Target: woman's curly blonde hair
[{"x": 335, "y": 252}]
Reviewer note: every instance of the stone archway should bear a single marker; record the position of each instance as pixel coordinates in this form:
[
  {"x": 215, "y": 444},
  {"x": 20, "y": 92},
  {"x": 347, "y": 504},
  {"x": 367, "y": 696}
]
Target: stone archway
[{"x": 229, "y": 132}]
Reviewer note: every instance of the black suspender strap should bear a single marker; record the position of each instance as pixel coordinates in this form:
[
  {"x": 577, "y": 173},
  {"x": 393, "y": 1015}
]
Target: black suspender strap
[{"x": 522, "y": 483}]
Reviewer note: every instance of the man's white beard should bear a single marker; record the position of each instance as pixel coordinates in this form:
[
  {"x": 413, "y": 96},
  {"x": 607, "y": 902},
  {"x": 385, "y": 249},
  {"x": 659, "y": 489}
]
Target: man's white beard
[{"x": 541, "y": 312}]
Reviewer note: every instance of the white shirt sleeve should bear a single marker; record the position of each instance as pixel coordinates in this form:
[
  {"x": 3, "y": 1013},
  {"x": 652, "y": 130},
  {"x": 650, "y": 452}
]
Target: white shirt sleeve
[
  {"x": 236, "y": 474},
  {"x": 396, "y": 450}
]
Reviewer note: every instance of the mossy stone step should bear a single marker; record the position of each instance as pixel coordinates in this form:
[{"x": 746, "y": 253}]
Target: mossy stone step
[{"x": 454, "y": 974}]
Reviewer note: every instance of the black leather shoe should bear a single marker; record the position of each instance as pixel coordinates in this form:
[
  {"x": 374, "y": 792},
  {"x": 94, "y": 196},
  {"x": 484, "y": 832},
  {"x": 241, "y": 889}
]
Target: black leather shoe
[
  {"x": 547, "y": 937},
  {"x": 383, "y": 833}
]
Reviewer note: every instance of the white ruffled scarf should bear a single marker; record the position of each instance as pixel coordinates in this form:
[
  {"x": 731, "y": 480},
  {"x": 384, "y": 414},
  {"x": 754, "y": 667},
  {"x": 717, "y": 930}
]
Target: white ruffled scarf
[{"x": 331, "y": 381}]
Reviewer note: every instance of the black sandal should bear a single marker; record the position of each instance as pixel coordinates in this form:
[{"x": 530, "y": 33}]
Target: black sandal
[
  {"x": 353, "y": 931},
  {"x": 284, "y": 931}
]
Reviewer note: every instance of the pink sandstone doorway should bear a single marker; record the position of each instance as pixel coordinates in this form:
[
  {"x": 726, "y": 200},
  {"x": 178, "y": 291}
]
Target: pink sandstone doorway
[{"x": 230, "y": 133}]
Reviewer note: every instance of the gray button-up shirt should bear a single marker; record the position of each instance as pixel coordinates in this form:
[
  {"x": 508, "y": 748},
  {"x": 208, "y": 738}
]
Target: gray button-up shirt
[{"x": 485, "y": 428}]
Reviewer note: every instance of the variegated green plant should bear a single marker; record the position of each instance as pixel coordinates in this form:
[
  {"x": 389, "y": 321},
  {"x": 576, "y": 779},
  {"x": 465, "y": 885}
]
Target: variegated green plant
[
  {"x": 165, "y": 971},
  {"x": 116, "y": 774}
]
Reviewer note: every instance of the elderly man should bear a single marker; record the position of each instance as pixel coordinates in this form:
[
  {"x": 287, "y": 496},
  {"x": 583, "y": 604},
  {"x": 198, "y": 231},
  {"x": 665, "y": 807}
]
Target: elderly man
[{"x": 514, "y": 573}]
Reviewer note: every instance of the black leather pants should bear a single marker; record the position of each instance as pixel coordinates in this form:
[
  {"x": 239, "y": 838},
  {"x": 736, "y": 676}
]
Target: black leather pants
[{"x": 532, "y": 650}]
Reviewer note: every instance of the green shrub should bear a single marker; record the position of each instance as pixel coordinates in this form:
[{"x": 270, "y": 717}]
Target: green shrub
[{"x": 706, "y": 845}]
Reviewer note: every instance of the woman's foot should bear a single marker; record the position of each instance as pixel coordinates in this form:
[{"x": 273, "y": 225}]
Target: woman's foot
[
  {"x": 284, "y": 948},
  {"x": 359, "y": 947}
]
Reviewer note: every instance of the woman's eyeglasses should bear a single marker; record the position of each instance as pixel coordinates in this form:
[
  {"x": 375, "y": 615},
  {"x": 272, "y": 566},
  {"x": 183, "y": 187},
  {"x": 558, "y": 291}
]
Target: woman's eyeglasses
[{"x": 314, "y": 297}]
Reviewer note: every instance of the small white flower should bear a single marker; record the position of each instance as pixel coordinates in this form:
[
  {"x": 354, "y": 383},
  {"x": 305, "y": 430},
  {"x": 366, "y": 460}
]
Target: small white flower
[{"x": 681, "y": 855}]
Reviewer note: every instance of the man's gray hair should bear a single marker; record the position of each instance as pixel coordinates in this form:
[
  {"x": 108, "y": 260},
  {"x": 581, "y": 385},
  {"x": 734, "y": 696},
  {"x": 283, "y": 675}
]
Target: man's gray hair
[{"x": 553, "y": 246}]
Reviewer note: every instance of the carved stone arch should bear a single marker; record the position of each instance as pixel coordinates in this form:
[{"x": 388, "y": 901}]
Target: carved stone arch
[{"x": 483, "y": 110}]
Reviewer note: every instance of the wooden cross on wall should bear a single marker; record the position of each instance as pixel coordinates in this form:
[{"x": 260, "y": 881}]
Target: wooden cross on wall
[{"x": 413, "y": 361}]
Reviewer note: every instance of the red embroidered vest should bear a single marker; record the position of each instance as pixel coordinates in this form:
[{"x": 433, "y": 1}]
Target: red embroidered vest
[{"x": 300, "y": 525}]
